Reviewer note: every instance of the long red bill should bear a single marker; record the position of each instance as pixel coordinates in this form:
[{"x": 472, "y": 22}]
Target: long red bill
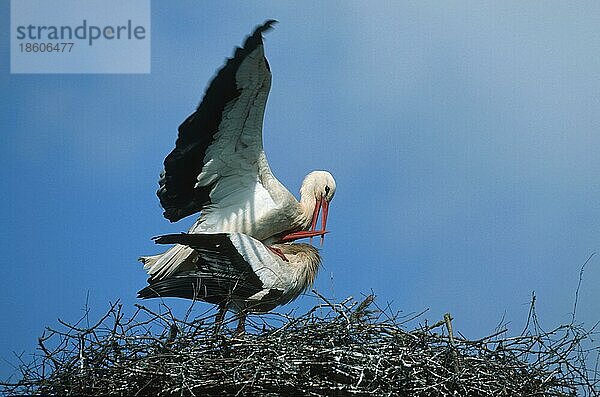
[
  {"x": 325, "y": 205},
  {"x": 316, "y": 211},
  {"x": 303, "y": 234}
]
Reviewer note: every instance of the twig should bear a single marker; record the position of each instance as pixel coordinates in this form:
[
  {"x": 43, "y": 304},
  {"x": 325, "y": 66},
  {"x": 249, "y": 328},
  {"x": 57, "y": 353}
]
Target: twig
[
  {"x": 333, "y": 349},
  {"x": 579, "y": 286},
  {"x": 448, "y": 322}
]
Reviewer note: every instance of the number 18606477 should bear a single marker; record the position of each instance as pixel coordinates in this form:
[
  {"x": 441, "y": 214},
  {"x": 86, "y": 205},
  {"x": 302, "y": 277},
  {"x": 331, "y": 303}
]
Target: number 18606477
[{"x": 46, "y": 47}]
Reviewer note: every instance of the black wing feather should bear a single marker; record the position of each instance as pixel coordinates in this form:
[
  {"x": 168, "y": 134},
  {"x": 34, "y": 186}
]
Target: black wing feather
[
  {"x": 208, "y": 287},
  {"x": 222, "y": 273},
  {"x": 177, "y": 192}
]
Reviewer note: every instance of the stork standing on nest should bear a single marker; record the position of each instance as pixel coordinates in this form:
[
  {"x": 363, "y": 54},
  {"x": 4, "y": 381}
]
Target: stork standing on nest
[
  {"x": 237, "y": 272},
  {"x": 218, "y": 167}
]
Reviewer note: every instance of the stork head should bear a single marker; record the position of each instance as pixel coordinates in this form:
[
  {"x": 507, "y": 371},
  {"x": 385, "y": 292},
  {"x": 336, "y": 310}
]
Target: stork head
[
  {"x": 318, "y": 187},
  {"x": 319, "y": 184}
]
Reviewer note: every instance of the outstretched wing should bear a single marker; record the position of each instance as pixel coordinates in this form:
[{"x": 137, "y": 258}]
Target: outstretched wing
[{"x": 218, "y": 148}]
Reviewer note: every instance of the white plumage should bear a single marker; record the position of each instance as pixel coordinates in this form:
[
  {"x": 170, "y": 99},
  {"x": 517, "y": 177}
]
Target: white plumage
[
  {"x": 237, "y": 272},
  {"x": 218, "y": 167}
]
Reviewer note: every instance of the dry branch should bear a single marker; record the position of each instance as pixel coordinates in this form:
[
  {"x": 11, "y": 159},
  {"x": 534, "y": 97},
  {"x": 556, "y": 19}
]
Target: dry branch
[{"x": 347, "y": 348}]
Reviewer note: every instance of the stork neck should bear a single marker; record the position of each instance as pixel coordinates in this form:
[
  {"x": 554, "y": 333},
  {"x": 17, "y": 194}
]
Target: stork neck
[{"x": 307, "y": 202}]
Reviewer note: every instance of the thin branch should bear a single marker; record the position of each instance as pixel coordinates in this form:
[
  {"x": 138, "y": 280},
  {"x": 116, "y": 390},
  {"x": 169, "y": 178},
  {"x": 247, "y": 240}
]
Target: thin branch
[{"x": 579, "y": 286}]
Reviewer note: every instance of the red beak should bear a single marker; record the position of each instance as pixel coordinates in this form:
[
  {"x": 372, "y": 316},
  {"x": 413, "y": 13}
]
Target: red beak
[
  {"x": 318, "y": 205},
  {"x": 321, "y": 203},
  {"x": 317, "y": 210},
  {"x": 325, "y": 205},
  {"x": 302, "y": 234}
]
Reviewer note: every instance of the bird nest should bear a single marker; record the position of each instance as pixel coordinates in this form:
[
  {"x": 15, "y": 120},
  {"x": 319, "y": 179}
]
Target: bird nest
[{"x": 347, "y": 348}]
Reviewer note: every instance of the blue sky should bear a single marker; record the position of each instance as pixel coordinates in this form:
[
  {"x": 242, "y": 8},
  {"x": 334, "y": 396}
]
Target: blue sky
[{"x": 464, "y": 138}]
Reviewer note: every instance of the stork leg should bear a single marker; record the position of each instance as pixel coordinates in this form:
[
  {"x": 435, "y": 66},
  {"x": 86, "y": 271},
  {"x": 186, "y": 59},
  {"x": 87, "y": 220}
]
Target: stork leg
[
  {"x": 220, "y": 317},
  {"x": 241, "y": 327}
]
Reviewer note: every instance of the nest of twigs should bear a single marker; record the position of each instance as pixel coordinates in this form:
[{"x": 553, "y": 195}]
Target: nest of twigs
[{"x": 346, "y": 348}]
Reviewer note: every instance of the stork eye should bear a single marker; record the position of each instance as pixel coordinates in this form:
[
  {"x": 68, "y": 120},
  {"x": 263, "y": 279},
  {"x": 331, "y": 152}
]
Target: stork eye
[{"x": 327, "y": 189}]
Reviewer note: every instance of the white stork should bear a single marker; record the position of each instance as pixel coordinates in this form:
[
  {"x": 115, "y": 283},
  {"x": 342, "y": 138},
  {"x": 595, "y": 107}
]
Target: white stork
[
  {"x": 218, "y": 167},
  {"x": 238, "y": 273}
]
